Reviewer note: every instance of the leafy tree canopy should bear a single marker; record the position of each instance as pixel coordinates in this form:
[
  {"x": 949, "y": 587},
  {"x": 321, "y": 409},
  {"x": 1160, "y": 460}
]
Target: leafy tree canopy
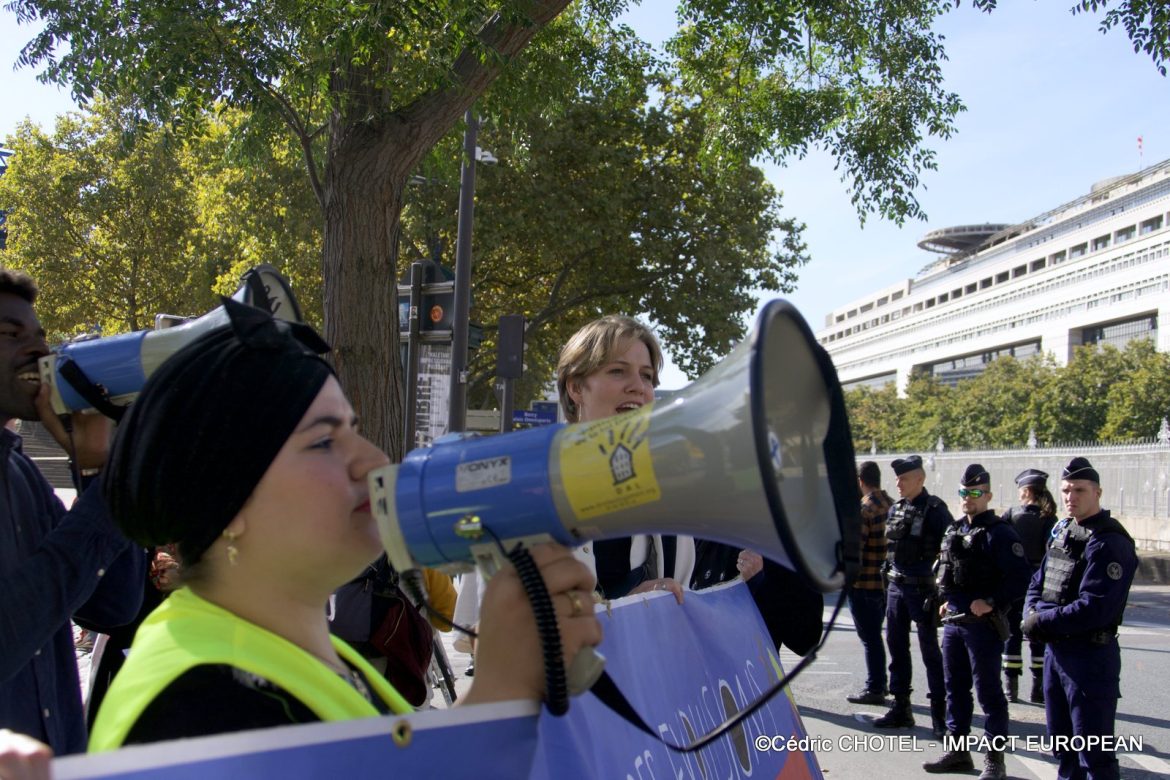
[
  {"x": 364, "y": 90},
  {"x": 98, "y": 214},
  {"x": 1103, "y": 394}
]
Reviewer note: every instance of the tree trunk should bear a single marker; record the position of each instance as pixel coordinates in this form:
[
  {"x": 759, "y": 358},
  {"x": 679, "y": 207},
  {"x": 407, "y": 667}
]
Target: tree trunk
[{"x": 363, "y": 203}]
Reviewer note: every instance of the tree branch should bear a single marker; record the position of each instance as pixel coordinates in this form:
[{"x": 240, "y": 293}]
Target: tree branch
[
  {"x": 476, "y": 67},
  {"x": 283, "y": 107}
]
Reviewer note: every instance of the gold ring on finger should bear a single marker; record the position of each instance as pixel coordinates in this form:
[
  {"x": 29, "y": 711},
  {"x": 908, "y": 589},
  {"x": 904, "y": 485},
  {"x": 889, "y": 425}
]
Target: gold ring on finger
[{"x": 575, "y": 601}]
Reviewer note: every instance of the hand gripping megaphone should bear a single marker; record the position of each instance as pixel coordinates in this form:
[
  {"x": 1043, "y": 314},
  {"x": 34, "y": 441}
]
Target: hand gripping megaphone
[
  {"x": 107, "y": 373},
  {"x": 756, "y": 453}
]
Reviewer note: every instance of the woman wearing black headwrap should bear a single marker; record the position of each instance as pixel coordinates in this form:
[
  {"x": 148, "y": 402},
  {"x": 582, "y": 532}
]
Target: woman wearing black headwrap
[{"x": 243, "y": 450}]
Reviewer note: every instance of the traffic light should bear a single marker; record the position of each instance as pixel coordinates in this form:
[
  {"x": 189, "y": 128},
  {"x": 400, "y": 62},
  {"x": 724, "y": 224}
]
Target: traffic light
[
  {"x": 438, "y": 311},
  {"x": 437, "y": 305}
]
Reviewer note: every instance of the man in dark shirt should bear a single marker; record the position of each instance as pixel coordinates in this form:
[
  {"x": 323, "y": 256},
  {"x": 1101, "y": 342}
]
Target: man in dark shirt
[
  {"x": 54, "y": 564},
  {"x": 914, "y": 531},
  {"x": 1075, "y": 603},
  {"x": 867, "y": 597}
]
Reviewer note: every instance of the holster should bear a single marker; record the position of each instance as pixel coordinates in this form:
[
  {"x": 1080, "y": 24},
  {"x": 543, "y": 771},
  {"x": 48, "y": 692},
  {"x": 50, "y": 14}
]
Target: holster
[
  {"x": 930, "y": 607},
  {"x": 999, "y": 621}
]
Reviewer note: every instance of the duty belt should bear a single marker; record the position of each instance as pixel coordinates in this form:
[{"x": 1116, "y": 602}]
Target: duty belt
[
  {"x": 902, "y": 579},
  {"x": 962, "y": 617},
  {"x": 1101, "y": 637}
]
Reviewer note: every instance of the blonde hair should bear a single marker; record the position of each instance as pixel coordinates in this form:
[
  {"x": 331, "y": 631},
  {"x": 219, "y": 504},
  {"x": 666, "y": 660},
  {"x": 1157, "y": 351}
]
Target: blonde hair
[{"x": 597, "y": 344}]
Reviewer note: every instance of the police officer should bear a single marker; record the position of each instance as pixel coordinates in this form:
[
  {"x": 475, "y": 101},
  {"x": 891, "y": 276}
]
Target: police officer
[
  {"x": 914, "y": 530},
  {"x": 1075, "y": 604},
  {"x": 1033, "y": 521},
  {"x": 982, "y": 572}
]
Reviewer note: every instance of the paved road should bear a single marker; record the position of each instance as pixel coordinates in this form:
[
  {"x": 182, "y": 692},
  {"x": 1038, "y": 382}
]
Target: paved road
[{"x": 840, "y": 669}]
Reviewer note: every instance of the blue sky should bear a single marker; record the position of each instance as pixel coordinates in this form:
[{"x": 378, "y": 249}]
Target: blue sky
[{"x": 1052, "y": 106}]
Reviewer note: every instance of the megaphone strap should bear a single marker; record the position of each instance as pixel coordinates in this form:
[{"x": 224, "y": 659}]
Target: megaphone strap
[{"x": 94, "y": 394}]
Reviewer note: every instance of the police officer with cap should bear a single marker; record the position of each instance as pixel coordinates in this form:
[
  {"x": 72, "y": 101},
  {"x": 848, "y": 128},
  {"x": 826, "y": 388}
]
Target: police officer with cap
[
  {"x": 982, "y": 572},
  {"x": 1033, "y": 520},
  {"x": 914, "y": 530},
  {"x": 1075, "y": 604}
]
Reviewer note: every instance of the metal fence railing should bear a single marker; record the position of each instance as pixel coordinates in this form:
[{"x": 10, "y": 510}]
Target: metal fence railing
[{"x": 1135, "y": 479}]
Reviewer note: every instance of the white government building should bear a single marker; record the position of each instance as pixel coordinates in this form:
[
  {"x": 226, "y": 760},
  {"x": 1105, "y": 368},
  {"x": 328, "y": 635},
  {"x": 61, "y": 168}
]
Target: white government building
[{"x": 1094, "y": 270}]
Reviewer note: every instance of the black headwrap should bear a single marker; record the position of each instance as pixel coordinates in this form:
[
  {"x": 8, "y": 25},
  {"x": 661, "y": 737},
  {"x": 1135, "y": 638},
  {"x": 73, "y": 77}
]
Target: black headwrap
[{"x": 207, "y": 425}]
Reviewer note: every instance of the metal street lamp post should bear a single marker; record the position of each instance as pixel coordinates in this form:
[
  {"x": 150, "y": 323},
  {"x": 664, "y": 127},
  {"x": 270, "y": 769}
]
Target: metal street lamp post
[{"x": 457, "y": 416}]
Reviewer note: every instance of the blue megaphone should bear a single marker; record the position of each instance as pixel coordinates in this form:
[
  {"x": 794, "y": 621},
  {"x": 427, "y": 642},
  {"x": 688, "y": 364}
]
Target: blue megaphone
[{"x": 107, "y": 373}]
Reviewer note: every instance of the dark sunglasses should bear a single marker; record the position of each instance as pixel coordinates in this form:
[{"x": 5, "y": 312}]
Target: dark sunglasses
[{"x": 972, "y": 493}]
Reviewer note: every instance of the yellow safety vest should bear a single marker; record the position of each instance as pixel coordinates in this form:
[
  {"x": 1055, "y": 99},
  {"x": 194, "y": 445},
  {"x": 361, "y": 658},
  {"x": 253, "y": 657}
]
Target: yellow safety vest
[{"x": 187, "y": 631}]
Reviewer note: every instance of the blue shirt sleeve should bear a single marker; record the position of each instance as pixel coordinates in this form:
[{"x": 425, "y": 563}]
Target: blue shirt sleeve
[
  {"x": 1008, "y": 552},
  {"x": 82, "y": 566}
]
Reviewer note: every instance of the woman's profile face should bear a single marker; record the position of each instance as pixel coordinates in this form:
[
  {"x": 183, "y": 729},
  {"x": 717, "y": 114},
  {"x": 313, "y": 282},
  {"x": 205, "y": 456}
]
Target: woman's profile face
[
  {"x": 311, "y": 509},
  {"x": 624, "y": 383}
]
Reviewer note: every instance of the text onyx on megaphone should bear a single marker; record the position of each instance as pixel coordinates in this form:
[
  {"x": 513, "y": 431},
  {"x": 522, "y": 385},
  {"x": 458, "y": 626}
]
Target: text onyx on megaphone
[
  {"x": 107, "y": 373},
  {"x": 756, "y": 453}
]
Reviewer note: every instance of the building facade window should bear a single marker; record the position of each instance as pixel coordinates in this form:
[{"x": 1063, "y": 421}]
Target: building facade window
[{"x": 1121, "y": 333}]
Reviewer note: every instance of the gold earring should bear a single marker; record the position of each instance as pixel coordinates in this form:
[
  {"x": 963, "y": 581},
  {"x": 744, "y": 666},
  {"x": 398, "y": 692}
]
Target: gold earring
[{"x": 233, "y": 553}]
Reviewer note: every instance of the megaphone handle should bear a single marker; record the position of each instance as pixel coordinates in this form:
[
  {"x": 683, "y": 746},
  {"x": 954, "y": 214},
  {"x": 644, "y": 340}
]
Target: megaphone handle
[{"x": 584, "y": 671}]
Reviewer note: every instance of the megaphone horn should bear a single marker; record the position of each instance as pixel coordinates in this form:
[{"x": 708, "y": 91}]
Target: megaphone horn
[
  {"x": 107, "y": 373},
  {"x": 756, "y": 453}
]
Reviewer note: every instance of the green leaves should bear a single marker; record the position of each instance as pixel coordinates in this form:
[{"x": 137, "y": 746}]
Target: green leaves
[
  {"x": 1103, "y": 394},
  {"x": 99, "y": 216},
  {"x": 118, "y": 219},
  {"x": 860, "y": 79},
  {"x": 603, "y": 202}
]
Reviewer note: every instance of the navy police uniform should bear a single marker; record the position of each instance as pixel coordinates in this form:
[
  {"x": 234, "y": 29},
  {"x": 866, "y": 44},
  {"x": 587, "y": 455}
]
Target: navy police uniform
[
  {"x": 981, "y": 558},
  {"x": 914, "y": 531},
  {"x": 1075, "y": 603},
  {"x": 1035, "y": 529}
]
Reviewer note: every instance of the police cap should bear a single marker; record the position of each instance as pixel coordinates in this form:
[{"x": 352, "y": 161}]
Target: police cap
[
  {"x": 1080, "y": 468},
  {"x": 975, "y": 475},
  {"x": 1031, "y": 478},
  {"x": 908, "y": 463}
]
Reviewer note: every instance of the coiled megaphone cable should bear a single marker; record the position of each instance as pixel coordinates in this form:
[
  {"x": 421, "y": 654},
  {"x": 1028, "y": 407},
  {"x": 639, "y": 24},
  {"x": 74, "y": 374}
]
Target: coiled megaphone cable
[{"x": 556, "y": 696}]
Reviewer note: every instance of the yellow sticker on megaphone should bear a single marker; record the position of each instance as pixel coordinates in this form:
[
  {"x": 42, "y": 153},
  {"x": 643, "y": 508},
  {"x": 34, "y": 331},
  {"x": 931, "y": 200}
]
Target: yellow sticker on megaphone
[{"x": 606, "y": 464}]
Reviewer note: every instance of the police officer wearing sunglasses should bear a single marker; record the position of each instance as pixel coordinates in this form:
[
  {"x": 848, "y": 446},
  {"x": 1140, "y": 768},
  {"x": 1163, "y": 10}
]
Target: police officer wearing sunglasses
[
  {"x": 981, "y": 573},
  {"x": 1075, "y": 603}
]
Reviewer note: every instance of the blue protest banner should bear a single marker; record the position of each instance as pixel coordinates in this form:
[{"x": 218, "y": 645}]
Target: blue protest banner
[
  {"x": 484, "y": 741},
  {"x": 685, "y": 669}
]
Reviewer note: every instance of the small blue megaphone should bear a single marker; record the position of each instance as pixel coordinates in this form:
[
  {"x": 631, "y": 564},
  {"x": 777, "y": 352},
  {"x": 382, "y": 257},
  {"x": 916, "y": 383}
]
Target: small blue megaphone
[
  {"x": 756, "y": 453},
  {"x": 107, "y": 373}
]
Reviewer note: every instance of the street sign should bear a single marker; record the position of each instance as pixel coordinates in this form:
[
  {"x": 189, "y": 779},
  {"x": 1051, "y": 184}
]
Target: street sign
[
  {"x": 546, "y": 408},
  {"x": 434, "y": 393},
  {"x": 530, "y": 418}
]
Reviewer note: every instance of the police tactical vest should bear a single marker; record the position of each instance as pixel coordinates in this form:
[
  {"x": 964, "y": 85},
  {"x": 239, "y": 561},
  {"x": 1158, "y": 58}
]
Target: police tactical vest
[
  {"x": 1065, "y": 566},
  {"x": 965, "y": 563},
  {"x": 1035, "y": 531},
  {"x": 910, "y": 540}
]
